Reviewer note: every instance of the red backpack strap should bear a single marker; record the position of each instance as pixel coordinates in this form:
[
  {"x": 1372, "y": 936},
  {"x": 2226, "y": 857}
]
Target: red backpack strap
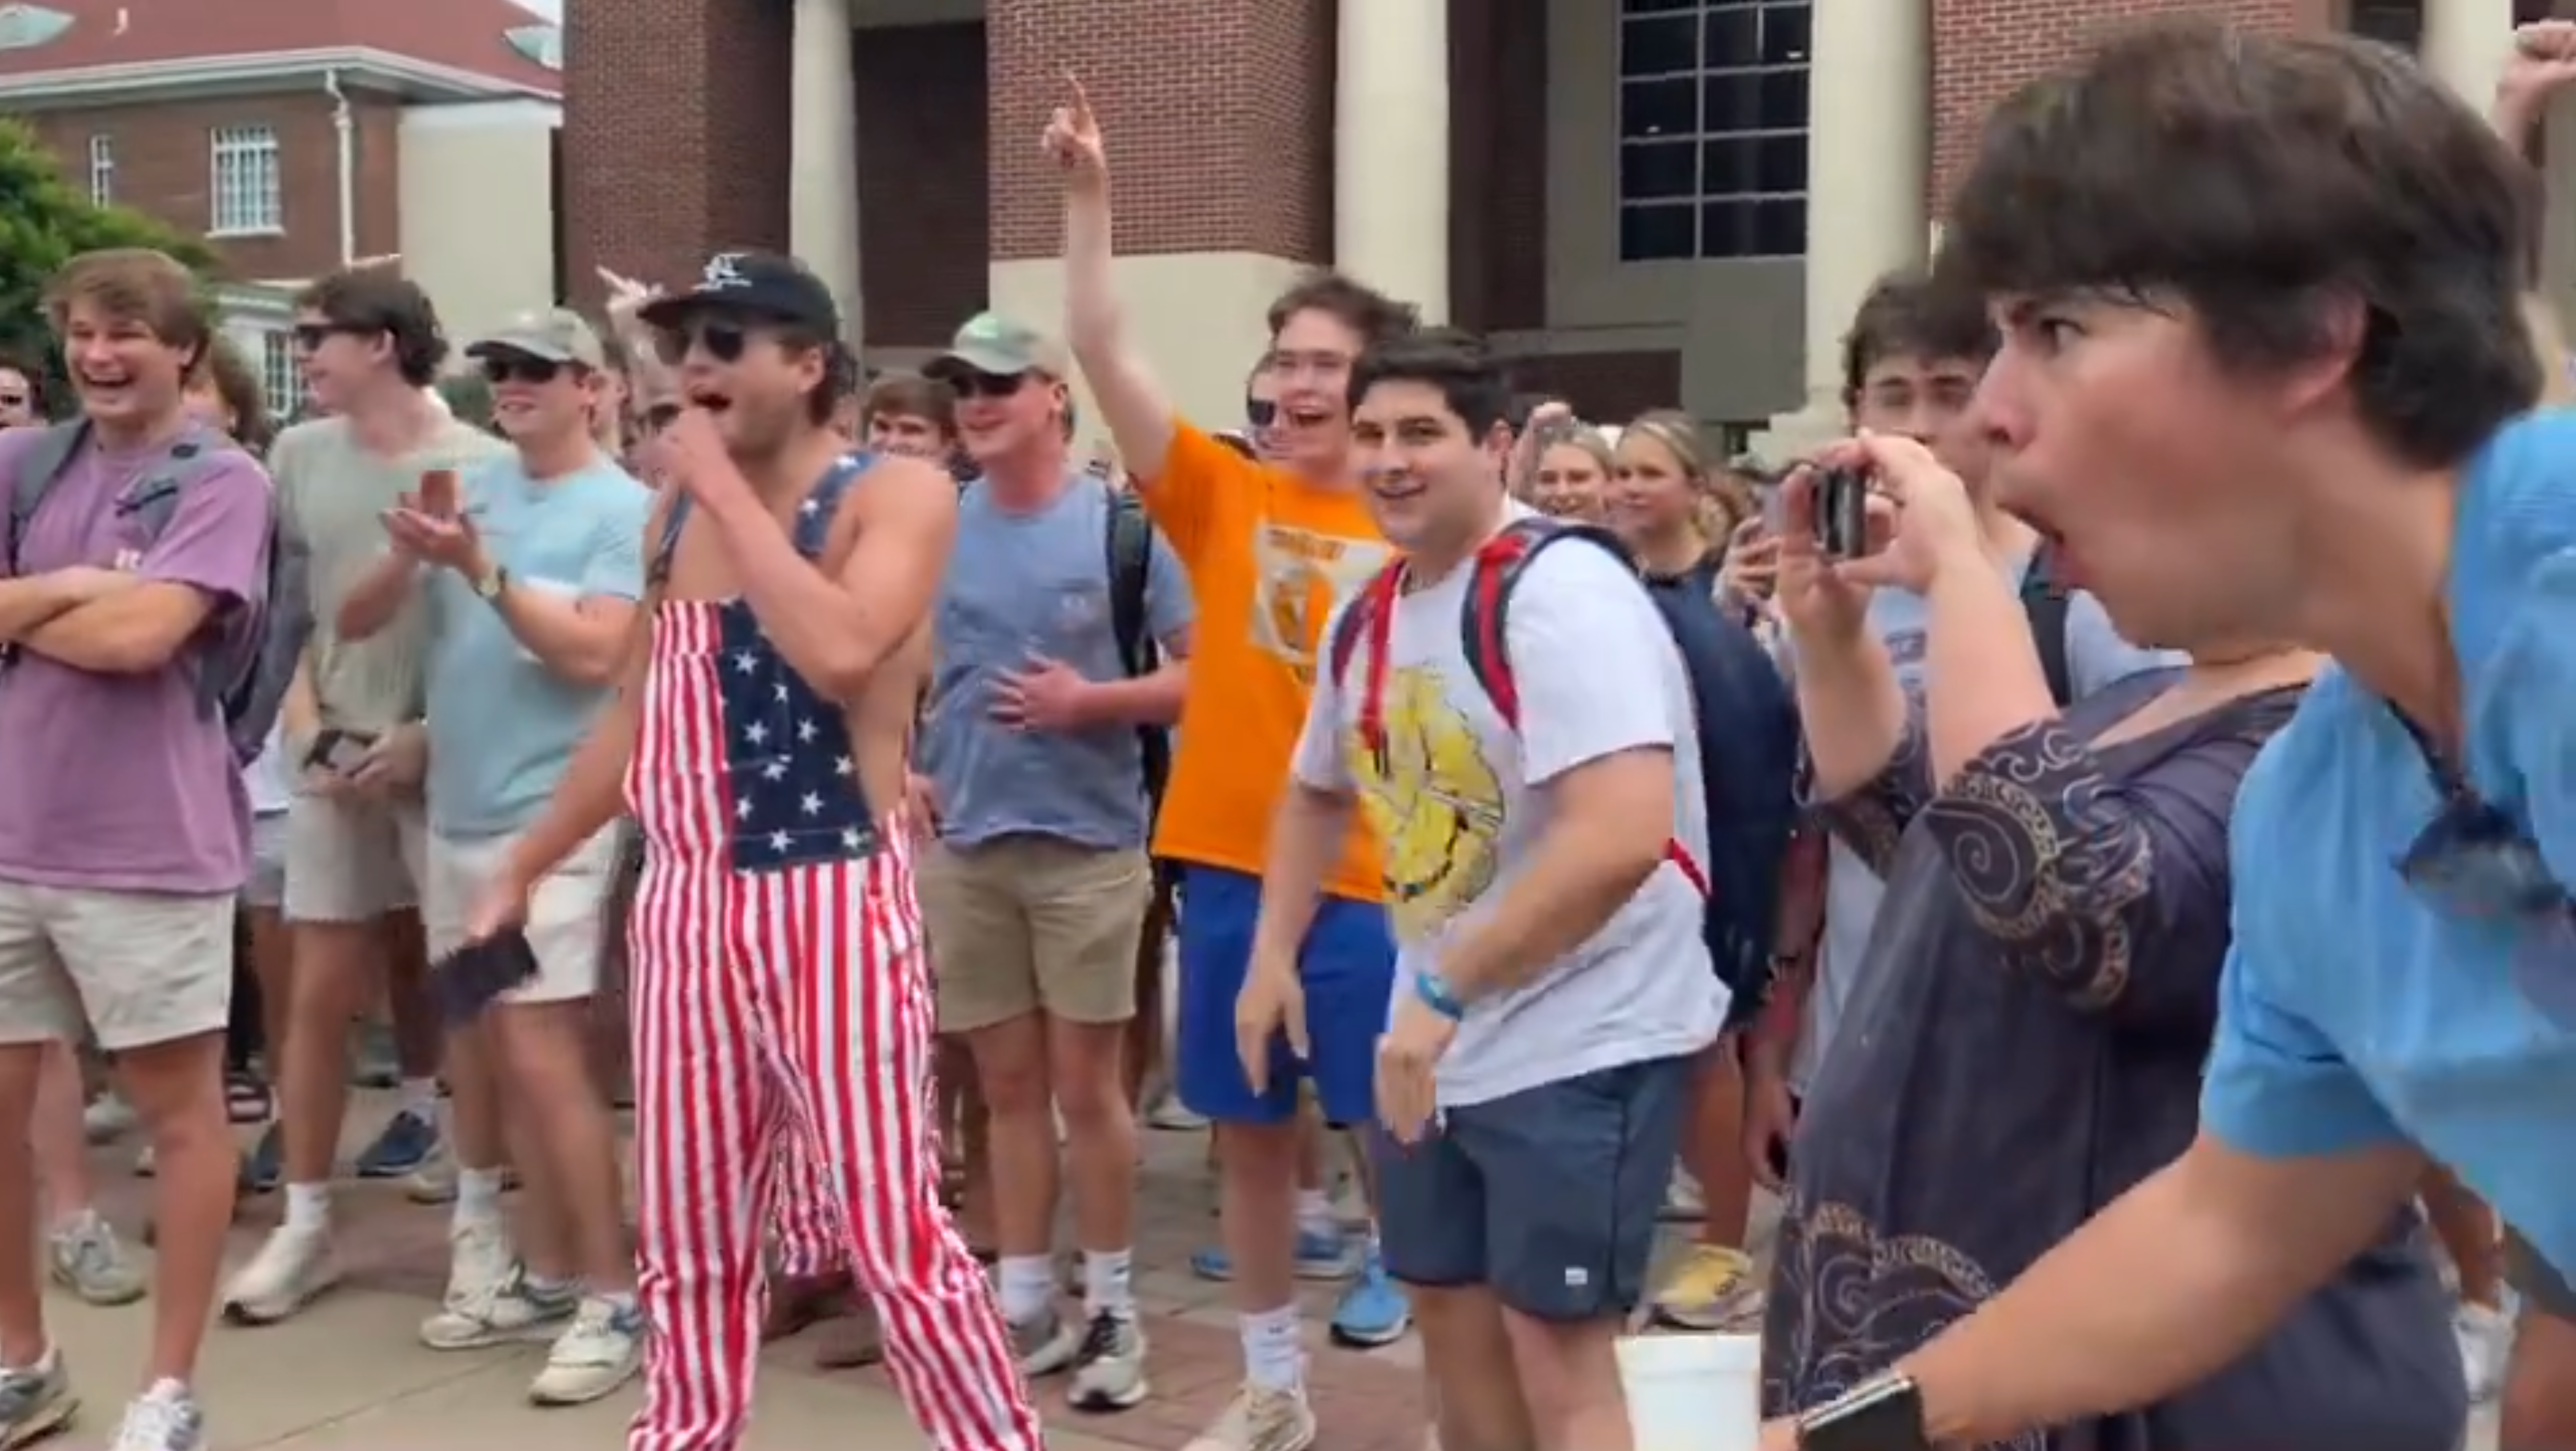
[
  {"x": 1371, "y": 612},
  {"x": 1499, "y": 565}
]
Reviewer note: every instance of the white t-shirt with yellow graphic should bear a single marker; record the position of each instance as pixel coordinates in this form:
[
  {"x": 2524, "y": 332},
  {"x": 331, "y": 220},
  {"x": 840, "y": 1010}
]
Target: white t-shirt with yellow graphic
[{"x": 1456, "y": 801}]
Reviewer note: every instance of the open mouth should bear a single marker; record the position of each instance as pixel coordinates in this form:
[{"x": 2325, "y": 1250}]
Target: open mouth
[
  {"x": 1395, "y": 490},
  {"x": 106, "y": 385},
  {"x": 713, "y": 400}
]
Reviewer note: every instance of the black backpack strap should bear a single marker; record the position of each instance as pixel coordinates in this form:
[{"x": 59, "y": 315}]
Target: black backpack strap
[
  {"x": 1130, "y": 552},
  {"x": 1498, "y": 566},
  {"x": 2044, "y": 604}
]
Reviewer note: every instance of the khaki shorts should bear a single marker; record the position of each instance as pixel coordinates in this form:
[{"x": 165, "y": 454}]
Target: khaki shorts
[
  {"x": 563, "y": 916},
  {"x": 143, "y": 968},
  {"x": 352, "y": 859},
  {"x": 1031, "y": 922}
]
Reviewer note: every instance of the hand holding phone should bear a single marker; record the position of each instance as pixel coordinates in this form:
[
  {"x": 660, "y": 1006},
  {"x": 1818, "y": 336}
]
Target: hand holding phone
[
  {"x": 338, "y": 752},
  {"x": 1842, "y": 513},
  {"x": 468, "y": 979}
]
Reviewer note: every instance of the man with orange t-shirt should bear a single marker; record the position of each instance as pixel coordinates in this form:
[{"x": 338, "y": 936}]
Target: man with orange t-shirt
[{"x": 1269, "y": 547}]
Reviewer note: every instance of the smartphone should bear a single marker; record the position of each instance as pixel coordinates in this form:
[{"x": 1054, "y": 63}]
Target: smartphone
[
  {"x": 468, "y": 979},
  {"x": 338, "y": 750},
  {"x": 1842, "y": 513}
]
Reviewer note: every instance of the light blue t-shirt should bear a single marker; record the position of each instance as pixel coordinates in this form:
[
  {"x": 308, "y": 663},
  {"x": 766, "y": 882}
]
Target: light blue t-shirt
[
  {"x": 502, "y": 726},
  {"x": 2096, "y": 657},
  {"x": 2356, "y": 1011},
  {"x": 1022, "y": 586}
]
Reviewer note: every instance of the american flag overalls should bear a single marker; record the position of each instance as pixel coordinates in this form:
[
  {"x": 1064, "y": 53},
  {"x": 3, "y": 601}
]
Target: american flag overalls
[{"x": 779, "y": 988}]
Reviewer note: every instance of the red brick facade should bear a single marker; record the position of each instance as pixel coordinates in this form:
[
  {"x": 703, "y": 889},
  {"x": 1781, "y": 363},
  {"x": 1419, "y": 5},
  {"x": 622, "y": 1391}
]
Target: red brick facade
[{"x": 1220, "y": 124}]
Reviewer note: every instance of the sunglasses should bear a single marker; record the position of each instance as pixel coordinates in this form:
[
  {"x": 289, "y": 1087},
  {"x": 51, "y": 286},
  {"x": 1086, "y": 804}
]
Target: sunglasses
[
  {"x": 520, "y": 368},
  {"x": 2472, "y": 860},
  {"x": 312, "y": 335},
  {"x": 966, "y": 383},
  {"x": 1260, "y": 412},
  {"x": 723, "y": 338}
]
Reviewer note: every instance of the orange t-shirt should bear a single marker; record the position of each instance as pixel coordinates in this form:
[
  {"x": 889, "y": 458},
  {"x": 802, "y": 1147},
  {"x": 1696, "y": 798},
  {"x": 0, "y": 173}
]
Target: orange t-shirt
[{"x": 1267, "y": 554}]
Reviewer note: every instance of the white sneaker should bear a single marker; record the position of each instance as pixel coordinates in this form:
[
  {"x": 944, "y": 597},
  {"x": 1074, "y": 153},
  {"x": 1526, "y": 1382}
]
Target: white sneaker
[
  {"x": 2486, "y": 1342},
  {"x": 1261, "y": 1419},
  {"x": 434, "y": 1182},
  {"x": 487, "y": 1301},
  {"x": 108, "y": 1117},
  {"x": 292, "y": 1267},
  {"x": 601, "y": 1350},
  {"x": 164, "y": 1418},
  {"x": 1109, "y": 1369}
]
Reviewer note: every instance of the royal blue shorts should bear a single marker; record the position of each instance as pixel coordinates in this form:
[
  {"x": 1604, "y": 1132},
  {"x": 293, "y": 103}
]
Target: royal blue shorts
[{"x": 1348, "y": 966}]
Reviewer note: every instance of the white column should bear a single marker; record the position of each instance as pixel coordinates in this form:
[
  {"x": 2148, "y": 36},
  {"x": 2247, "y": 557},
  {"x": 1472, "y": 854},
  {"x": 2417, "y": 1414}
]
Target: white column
[
  {"x": 2466, "y": 42},
  {"x": 1868, "y": 149},
  {"x": 822, "y": 129},
  {"x": 1391, "y": 150}
]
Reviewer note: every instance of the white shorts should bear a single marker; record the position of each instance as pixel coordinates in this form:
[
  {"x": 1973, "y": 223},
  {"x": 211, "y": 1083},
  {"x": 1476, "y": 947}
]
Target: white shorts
[
  {"x": 142, "y": 968},
  {"x": 564, "y": 915},
  {"x": 266, "y": 888},
  {"x": 352, "y": 859}
]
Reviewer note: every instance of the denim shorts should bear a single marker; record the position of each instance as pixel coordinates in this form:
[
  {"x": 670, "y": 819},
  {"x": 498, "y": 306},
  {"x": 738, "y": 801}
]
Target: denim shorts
[{"x": 1547, "y": 1196}]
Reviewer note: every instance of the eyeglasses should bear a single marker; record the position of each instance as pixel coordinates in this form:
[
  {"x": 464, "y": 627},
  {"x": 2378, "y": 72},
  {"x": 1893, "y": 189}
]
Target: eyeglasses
[
  {"x": 2474, "y": 861},
  {"x": 1260, "y": 412},
  {"x": 968, "y": 383},
  {"x": 520, "y": 368},
  {"x": 723, "y": 338}
]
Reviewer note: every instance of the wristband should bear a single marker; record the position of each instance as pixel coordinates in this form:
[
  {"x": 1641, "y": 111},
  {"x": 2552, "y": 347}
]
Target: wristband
[{"x": 1435, "y": 994}]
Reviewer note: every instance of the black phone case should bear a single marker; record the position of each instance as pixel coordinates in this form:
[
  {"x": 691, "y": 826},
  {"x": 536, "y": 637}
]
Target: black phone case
[{"x": 468, "y": 979}]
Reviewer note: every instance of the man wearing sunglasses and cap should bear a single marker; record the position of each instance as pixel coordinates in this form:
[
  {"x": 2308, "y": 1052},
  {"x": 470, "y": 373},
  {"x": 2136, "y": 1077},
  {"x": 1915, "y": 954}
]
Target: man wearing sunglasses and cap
[
  {"x": 528, "y": 569},
  {"x": 760, "y": 733}
]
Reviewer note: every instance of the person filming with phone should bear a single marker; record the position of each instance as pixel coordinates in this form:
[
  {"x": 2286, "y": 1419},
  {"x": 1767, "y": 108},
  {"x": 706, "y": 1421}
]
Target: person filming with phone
[{"x": 2039, "y": 992}]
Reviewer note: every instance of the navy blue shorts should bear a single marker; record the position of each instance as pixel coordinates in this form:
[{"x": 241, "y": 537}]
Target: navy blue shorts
[
  {"x": 1547, "y": 1196},
  {"x": 1348, "y": 967}
]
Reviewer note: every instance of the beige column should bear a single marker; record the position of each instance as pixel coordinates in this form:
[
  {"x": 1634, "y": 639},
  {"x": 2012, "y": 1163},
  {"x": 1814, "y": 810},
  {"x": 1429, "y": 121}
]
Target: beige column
[
  {"x": 2466, "y": 42},
  {"x": 1391, "y": 150},
  {"x": 1868, "y": 149},
  {"x": 822, "y": 130}
]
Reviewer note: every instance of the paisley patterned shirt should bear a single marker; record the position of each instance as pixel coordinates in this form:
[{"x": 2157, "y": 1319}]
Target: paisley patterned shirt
[{"x": 2025, "y": 1044}]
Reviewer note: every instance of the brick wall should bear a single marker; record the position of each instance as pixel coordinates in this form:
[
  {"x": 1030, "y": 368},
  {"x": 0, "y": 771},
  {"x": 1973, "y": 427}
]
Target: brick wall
[
  {"x": 925, "y": 225},
  {"x": 165, "y": 167},
  {"x": 1982, "y": 50},
  {"x": 1218, "y": 115}
]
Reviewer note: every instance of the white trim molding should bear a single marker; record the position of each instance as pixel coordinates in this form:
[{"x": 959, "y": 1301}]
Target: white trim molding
[{"x": 268, "y": 70}]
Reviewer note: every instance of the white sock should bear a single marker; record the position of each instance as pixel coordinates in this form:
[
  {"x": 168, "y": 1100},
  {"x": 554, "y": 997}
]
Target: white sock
[
  {"x": 1273, "y": 1356},
  {"x": 420, "y": 1099},
  {"x": 1315, "y": 1214},
  {"x": 1027, "y": 1284},
  {"x": 308, "y": 1207},
  {"x": 478, "y": 1196},
  {"x": 1107, "y": 1283}
]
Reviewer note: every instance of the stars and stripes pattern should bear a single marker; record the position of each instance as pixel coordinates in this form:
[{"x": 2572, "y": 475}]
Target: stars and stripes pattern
[{"x": 796, "y": 793}]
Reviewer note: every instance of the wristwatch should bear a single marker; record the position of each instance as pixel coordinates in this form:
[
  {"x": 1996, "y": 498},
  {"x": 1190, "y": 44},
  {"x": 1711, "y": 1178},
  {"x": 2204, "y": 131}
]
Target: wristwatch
[
  {"x": 489, "y": 584},
  {"x": 1884, "y": 1413}
]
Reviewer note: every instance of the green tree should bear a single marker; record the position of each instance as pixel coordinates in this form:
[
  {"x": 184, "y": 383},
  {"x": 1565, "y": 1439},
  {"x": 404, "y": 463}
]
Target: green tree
[
  {"x": 45, "y": 221},
  {"x": 468, "y": 397}
]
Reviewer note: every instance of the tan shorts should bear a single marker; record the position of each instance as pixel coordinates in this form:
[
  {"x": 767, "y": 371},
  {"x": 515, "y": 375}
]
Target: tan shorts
[
  {"x": 1030, "y": 922},
  {"x": 142, "y": 968},
  {"x": 563, "y": 916},
  {"x": 352, "y": 859}
]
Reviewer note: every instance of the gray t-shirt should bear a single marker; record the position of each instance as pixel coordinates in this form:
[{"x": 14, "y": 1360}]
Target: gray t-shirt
[
  {"x": 2096, "y": 656},
  {"x": 331, "y": 498},
  {"x": 1457, "y": 799},
  {"x": 1021, "y": 587}
]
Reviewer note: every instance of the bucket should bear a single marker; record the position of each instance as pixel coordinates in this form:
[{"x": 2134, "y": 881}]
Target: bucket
[{"x": 1693, "y": 1392}]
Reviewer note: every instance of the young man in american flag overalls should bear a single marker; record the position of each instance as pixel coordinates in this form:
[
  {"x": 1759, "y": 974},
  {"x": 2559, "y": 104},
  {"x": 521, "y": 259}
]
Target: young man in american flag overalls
[{"x": 778, "y": 984}]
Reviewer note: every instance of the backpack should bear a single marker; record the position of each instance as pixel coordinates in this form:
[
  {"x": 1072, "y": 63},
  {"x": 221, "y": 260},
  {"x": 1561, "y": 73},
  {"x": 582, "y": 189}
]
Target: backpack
[
  {"x": 1130, "y": 546},
  {"x": 2044, "y": 604},
  {"x": 1496, "y": 568},
  {"x": 239, "y": 676}
]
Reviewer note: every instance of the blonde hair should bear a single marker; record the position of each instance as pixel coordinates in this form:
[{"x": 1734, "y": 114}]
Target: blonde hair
[
  {"x": 1720, "y": 501},
  {"x": 2549, "y": 341}
]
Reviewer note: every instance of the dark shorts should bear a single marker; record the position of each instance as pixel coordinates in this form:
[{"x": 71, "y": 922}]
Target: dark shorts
[
  {"x": 1348, "y": 969},
  {"x": 2541, "y": 1286},
  {"x": 1548, "y": 1196}
]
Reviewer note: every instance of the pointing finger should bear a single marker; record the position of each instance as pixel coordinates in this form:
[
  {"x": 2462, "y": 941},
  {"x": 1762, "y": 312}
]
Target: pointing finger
[{"x": 1081, "y": 97}]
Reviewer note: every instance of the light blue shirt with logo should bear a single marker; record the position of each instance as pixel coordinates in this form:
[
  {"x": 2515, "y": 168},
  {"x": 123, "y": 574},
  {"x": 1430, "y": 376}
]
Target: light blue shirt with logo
[
  {"x": 502, "y": 725},
  {"x": 1020, "y": 587}
]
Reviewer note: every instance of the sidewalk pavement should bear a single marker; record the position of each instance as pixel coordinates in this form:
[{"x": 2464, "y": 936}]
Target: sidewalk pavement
[{"x": 350, "y": 1374}]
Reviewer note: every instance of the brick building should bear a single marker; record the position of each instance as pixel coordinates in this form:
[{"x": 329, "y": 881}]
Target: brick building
[
  {"x": 1646, "y": 200},
  {"x": 298, "y": 135}
]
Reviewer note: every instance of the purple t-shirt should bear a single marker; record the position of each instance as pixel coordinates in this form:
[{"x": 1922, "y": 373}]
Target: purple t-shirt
[{"x": 124, "y": 782}]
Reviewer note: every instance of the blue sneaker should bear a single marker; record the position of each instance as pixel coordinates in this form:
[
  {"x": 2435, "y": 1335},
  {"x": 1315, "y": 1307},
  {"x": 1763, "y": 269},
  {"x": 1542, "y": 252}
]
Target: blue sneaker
[
  {"x": 261, "y": 1168},
  {"x": 1374, "y": 1311},
  {"x": 406, "y": 1143},
  {"x": 1321, "y": 1255}
]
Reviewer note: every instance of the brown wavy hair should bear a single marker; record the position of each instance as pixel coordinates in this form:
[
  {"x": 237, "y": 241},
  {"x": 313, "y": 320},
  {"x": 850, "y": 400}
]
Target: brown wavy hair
[{"x": 237, "y": 383}]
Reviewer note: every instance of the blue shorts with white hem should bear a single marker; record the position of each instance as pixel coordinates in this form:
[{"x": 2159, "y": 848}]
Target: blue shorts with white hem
[{"x": 1348, "y": 969}]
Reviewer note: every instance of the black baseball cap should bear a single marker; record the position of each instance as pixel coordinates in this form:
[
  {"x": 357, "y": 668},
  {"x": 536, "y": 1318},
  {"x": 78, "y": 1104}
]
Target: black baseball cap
[{"x": 764, "y": 284}]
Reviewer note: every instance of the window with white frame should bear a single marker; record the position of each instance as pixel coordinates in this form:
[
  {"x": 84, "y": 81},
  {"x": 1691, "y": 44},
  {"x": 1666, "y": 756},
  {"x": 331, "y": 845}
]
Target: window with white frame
[
  {"x": 1712, "y": 129},
  {"x": 281, "y": 382},
  {"x": 245, "y": 191},
  {"x": 102, "y": 170}
]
